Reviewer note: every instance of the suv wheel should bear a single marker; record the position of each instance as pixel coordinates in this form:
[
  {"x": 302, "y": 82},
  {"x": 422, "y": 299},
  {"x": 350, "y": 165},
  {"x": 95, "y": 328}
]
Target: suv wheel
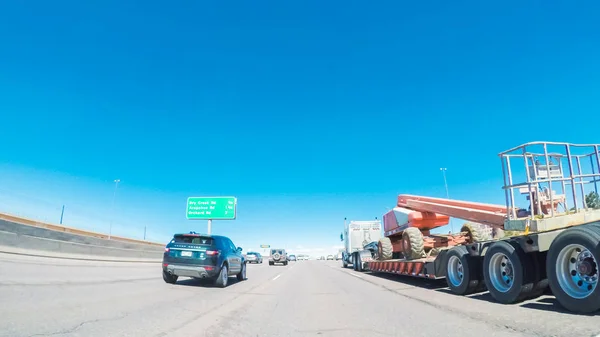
[
  {"x": 223, "y": 277},
  {"x": 169, "y": 278},
  {"x": 242, "y": 275}
]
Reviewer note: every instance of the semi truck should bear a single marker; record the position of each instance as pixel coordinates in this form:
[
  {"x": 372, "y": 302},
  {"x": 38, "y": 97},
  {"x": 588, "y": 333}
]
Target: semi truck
[
  {"x": 360, "y": 238},
  {"x": 514, "y": 253}
]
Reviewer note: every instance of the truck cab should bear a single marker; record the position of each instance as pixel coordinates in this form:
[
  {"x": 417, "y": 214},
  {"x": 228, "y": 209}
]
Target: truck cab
[{"x": 356, "y": 236}]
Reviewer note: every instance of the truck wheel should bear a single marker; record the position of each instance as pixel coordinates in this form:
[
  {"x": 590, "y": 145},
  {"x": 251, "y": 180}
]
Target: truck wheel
[
  {"x": 507, "y": 271},
  {"x": 413, "y": 243},
  {"x": 463, "y": 272},
  {"x": 344, "y": 263},
  {"x": 384, "y": 248},
  {"x": 476, "y": 232},
  {"x": 358, "y": 263},
  {"x": 573, "y": 264},
  {"x": 354, "y": 261}
]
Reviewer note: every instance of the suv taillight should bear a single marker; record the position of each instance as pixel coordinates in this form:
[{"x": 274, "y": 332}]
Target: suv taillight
[
  {"x": 167, "y": 249},
  {"x": 212, "y": 252}
]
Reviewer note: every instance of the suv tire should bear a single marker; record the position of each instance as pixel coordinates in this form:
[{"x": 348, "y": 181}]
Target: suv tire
[
  {"x": 241, "y": 276},
  {"x": 169, "y": 278},
  {"x": 223, "y": 277}
]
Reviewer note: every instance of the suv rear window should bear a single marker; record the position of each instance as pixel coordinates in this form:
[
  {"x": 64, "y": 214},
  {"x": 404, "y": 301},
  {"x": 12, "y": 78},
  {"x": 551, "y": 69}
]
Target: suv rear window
[
  {"x": 193, "y": 239},
  {"x": 276, "y": 252}
]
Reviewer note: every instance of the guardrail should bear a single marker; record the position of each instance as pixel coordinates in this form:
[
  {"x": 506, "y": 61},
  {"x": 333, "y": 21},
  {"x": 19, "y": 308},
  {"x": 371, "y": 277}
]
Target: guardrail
[{"x": 65, "y": 229}]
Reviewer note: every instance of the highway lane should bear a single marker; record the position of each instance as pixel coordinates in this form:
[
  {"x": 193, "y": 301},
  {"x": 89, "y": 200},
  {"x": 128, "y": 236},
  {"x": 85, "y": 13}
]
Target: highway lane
[{"x": 51, "y": 297}]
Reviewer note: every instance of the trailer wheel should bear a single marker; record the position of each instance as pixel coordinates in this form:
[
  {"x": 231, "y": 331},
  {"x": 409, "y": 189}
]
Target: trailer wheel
[
  {"x": 384, "y": 248},
  {"x": 463, "y": 272},
  {"x": 573, "y": 264},
  {"x": 507, "y": 271},
  {"x": 476, "y": 232},
  {"x": 413, "y": 243}
]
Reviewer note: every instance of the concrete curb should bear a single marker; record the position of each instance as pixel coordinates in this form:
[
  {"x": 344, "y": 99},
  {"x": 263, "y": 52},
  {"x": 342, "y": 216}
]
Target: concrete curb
[
  {"x": 20, "y": 242},
  {"x": 79, "y": 258}
]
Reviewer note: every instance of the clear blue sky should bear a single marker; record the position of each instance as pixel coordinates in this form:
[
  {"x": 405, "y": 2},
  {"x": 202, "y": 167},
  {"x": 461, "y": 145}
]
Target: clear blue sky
[{"x": 307, "y": 111}]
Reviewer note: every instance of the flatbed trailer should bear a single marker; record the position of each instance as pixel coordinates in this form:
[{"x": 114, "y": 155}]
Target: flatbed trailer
[
  {"x": 429, "y": 268},
  {"x": 538, "y": 248}
]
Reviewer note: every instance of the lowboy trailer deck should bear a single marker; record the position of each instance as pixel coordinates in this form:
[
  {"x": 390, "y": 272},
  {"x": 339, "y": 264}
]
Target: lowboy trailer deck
[
  {"x": 555, "y": 242},
  {"x": 429, "y": 268}
]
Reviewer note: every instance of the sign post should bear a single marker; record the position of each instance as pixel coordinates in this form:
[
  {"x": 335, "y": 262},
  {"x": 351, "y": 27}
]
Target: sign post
[{"x": 211, "y": 208}]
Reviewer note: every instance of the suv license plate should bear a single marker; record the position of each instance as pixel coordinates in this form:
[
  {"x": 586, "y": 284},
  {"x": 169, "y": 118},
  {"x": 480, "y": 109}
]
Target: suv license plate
[{"x": 186, "y": 253}]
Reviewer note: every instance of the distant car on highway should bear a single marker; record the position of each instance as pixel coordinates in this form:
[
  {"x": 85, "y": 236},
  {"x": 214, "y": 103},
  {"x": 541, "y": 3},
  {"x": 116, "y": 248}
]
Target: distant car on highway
[
  {"x": 329, "y": 257},
  {"x": 292, "y": 257},
  {"x": 211, "y": 257},
  {"x": 253, "y": 257},
  {"x": 278, "y": 256}
]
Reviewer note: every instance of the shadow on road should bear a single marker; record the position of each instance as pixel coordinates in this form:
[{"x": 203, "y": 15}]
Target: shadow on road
[
  {"x": 412, "y": 281},
  {"x": 205, "y": 283},
  {"x": 546, "y": 302}
]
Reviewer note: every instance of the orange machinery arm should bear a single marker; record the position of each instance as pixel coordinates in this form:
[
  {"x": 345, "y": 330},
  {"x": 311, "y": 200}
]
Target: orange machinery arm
[{"x": 492, "y": 215}]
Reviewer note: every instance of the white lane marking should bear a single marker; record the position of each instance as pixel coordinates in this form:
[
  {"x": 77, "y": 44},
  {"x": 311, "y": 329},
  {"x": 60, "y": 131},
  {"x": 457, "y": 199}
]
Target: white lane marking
[
  {"x": 276, "y": 277},
  {"x": 355, "y": 275}
]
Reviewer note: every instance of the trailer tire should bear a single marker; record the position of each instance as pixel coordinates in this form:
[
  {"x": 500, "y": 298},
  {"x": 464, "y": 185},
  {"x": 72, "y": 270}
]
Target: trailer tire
[
  {"x": 463, "y": 272},
  {"x": 507, "y": 271},
  {"x": 476, "y": 232},
  {"x": 384, "y": 248},
  {"x": 414, "y": 244},
  {"x": 576, "y": 251}
]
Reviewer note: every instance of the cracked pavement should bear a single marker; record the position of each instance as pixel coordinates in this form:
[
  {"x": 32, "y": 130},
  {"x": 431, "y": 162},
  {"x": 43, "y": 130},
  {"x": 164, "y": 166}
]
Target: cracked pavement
[{"x": 51, "y": 297}]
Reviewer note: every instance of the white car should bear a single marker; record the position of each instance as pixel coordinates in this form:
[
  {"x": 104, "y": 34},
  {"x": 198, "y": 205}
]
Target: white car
[{"x": 253, "y": 257}]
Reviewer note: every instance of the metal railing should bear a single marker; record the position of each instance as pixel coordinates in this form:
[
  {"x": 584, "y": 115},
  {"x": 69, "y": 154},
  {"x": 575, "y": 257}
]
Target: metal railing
[{"x": 538, "y": 174}]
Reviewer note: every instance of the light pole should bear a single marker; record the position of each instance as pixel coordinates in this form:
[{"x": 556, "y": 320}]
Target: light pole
[
  {"x": 61, "y": 214},
  {"x": 443, "y": 169},
  {"x": 112, "y": 207}
]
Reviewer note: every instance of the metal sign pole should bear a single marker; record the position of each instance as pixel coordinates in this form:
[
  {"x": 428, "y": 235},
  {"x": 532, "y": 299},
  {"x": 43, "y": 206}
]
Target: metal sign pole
[{"x": 209, "y": 225}]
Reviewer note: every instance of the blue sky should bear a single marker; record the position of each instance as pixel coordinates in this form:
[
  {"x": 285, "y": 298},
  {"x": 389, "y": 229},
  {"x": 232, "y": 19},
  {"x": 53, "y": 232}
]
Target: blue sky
[{"x": 308, "y": 112}]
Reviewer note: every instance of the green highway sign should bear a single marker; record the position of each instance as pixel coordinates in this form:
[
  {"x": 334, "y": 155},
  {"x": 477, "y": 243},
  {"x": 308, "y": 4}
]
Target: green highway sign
[
  {"x": 211, "y": 208},
  {"x": 265, "y": 246}
]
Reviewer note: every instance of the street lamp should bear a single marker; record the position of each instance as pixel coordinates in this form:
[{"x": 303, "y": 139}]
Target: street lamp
[
  {"x": 112, "y": 207},
  {"x": 443, "y": 169}
]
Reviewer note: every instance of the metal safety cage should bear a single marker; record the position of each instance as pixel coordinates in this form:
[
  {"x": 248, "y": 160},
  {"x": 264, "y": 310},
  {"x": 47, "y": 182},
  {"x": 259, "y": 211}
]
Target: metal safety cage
[{"x": 573, "y": 167}]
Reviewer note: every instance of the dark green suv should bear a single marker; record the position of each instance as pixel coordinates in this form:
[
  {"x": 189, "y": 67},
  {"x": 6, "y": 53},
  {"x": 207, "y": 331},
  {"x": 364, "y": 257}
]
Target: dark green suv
[{"x": 200, "y": 256}]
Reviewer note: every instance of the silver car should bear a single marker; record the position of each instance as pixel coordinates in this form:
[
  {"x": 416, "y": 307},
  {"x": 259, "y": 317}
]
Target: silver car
[{"x": 253, "y": 257}]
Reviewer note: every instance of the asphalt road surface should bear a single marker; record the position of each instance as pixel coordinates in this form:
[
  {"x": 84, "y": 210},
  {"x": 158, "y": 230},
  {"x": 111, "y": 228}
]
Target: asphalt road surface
[{"x": 51, "y": 297}]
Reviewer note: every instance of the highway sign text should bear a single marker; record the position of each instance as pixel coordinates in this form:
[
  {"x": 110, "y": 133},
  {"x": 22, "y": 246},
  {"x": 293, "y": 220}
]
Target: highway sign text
[{"x": 211, "y": 208}]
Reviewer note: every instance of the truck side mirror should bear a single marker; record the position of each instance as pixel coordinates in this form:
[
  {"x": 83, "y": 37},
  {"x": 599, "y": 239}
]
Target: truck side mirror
[{"x": 341, "y": 236}]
